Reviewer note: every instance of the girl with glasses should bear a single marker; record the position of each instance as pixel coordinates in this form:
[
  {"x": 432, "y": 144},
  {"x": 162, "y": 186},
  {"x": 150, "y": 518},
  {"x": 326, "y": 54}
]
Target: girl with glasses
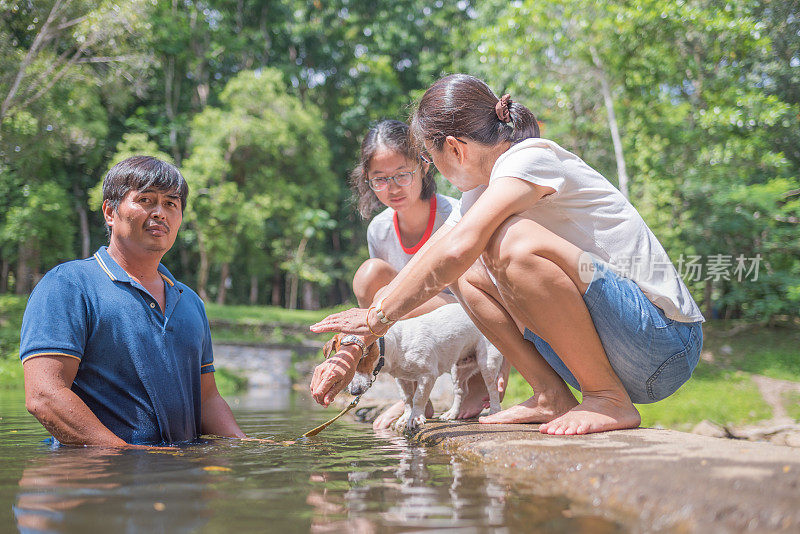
[
  {"x": 571, "y": 285},
  {"x": 391, "y": 174}
]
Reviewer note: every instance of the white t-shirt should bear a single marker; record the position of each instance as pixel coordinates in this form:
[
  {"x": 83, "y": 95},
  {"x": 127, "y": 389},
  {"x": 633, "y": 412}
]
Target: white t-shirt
[
  {"x": 383, "y": 236},
  {"x": 592, "y": 214}
]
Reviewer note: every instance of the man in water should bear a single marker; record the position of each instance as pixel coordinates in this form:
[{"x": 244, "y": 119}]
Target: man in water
[{"x": 116, "y": 351}]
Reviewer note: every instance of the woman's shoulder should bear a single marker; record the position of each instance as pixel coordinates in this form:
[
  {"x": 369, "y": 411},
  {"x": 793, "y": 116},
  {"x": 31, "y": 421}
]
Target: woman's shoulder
[
  {"x": 381, "y": 224},
  {"x": 534, "y": 151},
  {"x": 446, "y": 204}
]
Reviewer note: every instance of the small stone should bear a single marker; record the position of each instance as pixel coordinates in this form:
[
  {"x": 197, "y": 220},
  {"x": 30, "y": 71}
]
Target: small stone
[
  {"x": 158, "y": 506},
  {"x": 707, "y": 428},
  {"x": 792, "y": 439}
]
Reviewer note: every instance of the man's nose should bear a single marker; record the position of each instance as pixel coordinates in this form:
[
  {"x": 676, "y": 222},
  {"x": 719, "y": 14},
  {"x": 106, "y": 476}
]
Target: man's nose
[{"x": 158, "y": 212}]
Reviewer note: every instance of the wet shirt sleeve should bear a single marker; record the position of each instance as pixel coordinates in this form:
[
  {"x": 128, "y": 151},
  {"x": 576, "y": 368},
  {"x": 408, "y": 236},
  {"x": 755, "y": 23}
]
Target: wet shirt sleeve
[
  {"x": 56, "y": 319},
  {"x": 207, "y": 358}
]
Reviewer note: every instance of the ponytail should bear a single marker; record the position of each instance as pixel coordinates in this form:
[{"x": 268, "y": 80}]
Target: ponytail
[{"x": 460, "y": 105}]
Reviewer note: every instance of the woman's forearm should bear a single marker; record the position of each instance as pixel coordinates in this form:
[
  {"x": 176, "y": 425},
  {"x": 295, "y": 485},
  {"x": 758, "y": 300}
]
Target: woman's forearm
[{"x": 435, "y": 269}]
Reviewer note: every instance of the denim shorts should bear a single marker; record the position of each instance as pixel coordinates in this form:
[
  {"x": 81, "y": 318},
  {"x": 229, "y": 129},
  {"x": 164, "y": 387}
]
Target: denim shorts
[{"x": 652, "y": 355}]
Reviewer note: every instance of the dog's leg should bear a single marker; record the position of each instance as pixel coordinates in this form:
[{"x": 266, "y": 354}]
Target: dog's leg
[
  {"x": 460, "y": 375},
  {"x": 490, "y": 361},
  {"x": 421, "y": 396},
  {"x": 407, "y": 389}
]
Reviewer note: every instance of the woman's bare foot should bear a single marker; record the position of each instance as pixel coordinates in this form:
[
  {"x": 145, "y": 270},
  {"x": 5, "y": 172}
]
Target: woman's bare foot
[
  {"x": 477, "y": 397},
  {"x": 596, "y": 413},
  {"x": 540, "y": 408},
  {"x": 393, "y": 413}
]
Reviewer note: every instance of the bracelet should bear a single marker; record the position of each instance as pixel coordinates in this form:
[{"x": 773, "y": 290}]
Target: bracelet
[
  {"x": 350, "y": 339},
  {"x": 366, "y": 320},
  {"x": 379, "y": 312}
]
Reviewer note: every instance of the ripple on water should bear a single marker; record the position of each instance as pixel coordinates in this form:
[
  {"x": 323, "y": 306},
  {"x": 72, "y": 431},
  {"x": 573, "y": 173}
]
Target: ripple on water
[{"x": 345, "y": 479}]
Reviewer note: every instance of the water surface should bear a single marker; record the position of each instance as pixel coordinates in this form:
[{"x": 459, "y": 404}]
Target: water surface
[{"x": 347, "y": 479}]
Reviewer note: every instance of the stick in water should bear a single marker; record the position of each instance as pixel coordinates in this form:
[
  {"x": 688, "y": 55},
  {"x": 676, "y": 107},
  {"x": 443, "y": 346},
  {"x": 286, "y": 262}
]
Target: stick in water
[{"x": 323, "y": 426}]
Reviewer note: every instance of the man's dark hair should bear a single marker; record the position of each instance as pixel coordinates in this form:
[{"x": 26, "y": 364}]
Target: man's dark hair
[{"x": 139, "y": 173}]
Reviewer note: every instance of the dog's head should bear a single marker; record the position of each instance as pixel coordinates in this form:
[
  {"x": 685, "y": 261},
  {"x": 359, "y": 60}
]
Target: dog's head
[{"x": 363, "y": 376}]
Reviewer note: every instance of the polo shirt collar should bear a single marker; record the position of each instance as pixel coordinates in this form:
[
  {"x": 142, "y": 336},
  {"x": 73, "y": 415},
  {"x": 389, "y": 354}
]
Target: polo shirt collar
[{"x": 118, "y": 274}]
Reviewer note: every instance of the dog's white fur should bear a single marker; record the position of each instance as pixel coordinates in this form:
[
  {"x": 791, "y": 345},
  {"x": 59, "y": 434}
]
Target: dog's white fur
[{"x": 420, "y": 349}]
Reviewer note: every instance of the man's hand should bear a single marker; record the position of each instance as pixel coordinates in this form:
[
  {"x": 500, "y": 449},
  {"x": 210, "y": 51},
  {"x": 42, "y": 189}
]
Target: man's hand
[{"x": 332, "y": 375}]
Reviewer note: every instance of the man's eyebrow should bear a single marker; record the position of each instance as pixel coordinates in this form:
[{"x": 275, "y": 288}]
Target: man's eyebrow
[{"x": 171, "y": 194}]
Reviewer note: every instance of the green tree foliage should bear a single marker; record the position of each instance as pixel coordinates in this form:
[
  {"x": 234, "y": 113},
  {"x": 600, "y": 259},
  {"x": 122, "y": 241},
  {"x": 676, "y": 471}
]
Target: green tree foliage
[
  {"x": 691, "y": 107},
  {"x": 703, "y": 141},
  {"x": 259, "y": 163}
]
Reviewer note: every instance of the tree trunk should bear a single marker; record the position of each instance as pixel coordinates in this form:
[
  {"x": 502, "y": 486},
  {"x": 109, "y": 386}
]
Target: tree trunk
[
  {"x": 310, "y": 297},
  {"x": 83, "y": 218},
  {"x": 202, "y": 271},
  {"x": 343, "y": 289},
  {"x": 275, "y": 298},
  {"x": 622, "y": 171},
  {"x": 23, "y": 279},
  {"x": 294, "y": 277},
  {"x": 708, "y": 306},
  {"x": 291, "y": 300},
  {"x": 224, "y": 274},
  {"x": 5, "y": 266},
  {"x": 253, "y": 289}
]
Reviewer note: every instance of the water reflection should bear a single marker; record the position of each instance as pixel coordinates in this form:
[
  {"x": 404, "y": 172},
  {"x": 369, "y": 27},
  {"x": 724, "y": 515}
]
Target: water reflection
[
  {"x": 84, "y": 488},
  {"x": 345, "y": 480}
]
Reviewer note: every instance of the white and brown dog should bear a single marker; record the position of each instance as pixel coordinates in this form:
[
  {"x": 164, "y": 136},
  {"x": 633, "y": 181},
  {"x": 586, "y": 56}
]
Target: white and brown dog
[{"x": 419, "y": 350}]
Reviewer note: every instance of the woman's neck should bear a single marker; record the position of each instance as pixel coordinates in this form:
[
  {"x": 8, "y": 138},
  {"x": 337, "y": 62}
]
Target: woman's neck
[
  {"x": 488, "y": 157},
  {"x": 413, "y": 221}
]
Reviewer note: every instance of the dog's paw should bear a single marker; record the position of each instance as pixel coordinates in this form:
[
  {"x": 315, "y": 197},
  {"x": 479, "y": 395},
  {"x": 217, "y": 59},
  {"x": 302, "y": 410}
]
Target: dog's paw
[
  {"x": 449, "y": 415},
  {"x": 402, "y": 422},
  {"x": 416, "y": 422}
]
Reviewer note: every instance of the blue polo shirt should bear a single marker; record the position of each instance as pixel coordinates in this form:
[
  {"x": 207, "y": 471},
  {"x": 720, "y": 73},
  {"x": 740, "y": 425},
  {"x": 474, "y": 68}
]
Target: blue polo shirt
[{"x": 139, "y": 368}]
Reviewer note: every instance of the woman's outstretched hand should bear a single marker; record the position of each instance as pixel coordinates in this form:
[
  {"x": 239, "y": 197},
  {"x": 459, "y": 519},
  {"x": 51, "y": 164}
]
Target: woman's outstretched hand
[{"x": 352, "y": 321}]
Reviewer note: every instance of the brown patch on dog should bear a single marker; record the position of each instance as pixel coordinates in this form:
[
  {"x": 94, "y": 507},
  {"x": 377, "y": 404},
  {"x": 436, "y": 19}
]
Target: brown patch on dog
[
  {"x": 332, "y": 346},
  {"x": 367, "y": 364}
]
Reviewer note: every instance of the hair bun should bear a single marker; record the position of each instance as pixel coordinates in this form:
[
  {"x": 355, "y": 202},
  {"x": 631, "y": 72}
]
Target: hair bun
[{"x": 502, "y": 108}]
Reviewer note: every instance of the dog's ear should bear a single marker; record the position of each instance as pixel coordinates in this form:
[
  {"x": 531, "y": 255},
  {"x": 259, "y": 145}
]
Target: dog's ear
[
  {"x": 332, "y": 346},
  {"x": 368, "y": 362}
]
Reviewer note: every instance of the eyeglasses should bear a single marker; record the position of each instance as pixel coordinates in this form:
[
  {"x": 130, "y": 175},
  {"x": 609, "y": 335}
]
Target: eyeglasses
[{"x": 402, "y": 179}]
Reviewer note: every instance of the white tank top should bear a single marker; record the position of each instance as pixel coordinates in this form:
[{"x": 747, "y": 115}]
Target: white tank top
[{"x": 592, "y": 214}]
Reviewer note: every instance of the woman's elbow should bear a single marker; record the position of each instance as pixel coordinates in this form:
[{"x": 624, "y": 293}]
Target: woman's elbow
[{"x": 459, "y": 250}]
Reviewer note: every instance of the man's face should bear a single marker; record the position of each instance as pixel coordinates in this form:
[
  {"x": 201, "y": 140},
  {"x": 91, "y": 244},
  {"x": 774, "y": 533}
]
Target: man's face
[{"x": 145, "y": 220}]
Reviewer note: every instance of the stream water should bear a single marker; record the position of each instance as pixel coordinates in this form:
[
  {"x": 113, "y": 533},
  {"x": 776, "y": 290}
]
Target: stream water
[{"x": 347, "y": 479}]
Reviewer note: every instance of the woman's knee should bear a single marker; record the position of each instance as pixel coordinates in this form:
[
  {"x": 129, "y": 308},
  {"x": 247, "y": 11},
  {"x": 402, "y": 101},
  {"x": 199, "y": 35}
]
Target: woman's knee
[
  {"x": 513, "y": 245},
  {"x": 522, "y": 249},
  {"x": 474, "y": 281},
  {"x": 372, "y": 275}
]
